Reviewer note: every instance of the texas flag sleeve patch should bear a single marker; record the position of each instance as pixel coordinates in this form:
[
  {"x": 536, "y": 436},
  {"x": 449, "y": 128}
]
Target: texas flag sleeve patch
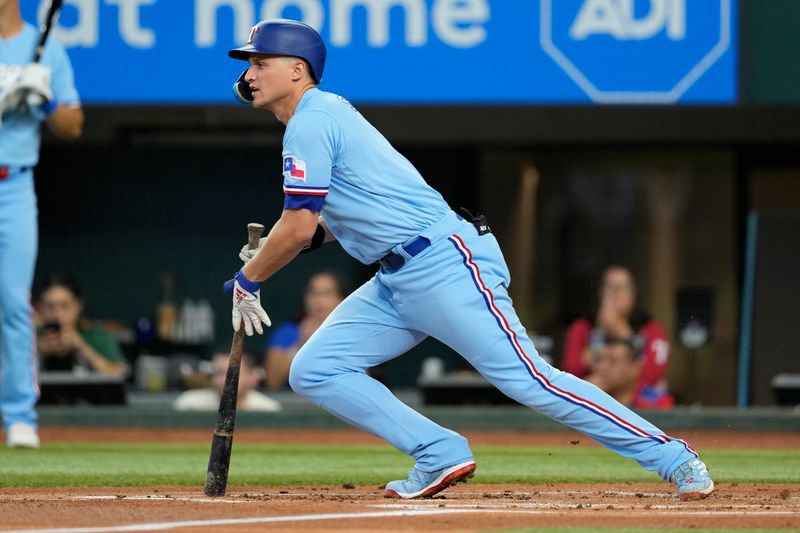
[{"x": 294, "y": 168}]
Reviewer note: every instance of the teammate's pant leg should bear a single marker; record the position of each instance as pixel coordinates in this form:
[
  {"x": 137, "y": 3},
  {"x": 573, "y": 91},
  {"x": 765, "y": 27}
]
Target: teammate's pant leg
[
  {"x": 364, "y": 331},
  {"x": 18, "y": 241},
  {"x": 466, "y": 306}
]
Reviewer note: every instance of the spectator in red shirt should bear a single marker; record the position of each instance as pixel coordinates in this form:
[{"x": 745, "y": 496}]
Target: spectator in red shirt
[{"x": 617, "y": 317}]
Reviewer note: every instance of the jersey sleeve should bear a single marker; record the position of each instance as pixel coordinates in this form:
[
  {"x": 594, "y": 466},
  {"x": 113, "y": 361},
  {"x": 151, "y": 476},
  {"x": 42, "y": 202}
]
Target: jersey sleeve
[
  {"x": 63, "y": 81},
  {"x": 310, "y": 146}
]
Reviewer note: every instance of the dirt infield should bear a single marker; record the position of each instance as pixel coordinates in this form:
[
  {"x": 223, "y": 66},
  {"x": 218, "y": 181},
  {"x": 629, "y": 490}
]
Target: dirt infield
[
  {"x": 471, "y": 507},
  {"x": 465, "y": 508}
]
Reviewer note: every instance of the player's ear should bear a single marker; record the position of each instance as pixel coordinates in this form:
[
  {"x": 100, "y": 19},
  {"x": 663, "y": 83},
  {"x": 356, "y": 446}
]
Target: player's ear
[{"x": 300, "y": 70}]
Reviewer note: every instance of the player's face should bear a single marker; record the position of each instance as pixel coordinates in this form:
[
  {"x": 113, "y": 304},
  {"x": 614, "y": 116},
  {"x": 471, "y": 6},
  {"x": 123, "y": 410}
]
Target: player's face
[
  {"x": 270, "y": 78},
  {"x": 58, "y": 304}
]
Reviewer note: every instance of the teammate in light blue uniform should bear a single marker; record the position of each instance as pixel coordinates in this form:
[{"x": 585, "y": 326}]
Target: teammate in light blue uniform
[
  {"x": 440, "y": 275},
  {"x": 29, "y": 94}
]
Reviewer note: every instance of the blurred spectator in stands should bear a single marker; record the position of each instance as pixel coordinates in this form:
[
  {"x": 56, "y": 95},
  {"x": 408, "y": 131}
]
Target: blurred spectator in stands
[
  {"x": 618, "y": 317},
  {"x": 617, "y": 370},
  {"x": 249, "y": 399},
  {"x": 324, "y": 291},
  {"x": 64, "y": 340}
]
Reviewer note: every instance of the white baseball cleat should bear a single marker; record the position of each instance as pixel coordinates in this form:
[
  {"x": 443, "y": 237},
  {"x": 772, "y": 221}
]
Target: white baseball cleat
[
  {"x": 425, "y": 484},
  {"x": 692, "y": 480},
  {"x": 22, "y": 435}
]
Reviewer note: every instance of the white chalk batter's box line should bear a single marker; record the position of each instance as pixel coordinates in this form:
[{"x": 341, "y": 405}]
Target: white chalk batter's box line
[
  {"x": 576, "y": 506},
  {"x": 433, "y": 503},
  {"x": 452, "y": 501},
  {"x": 158, "y": 498},
  {"x": 402, "y": 513}
]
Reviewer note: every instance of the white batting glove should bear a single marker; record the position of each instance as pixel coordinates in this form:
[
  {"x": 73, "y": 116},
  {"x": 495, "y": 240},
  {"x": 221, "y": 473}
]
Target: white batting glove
[
  {"x": 34, "y": 82},
  {"x": 247, "y": 308},
  {"x": 10, "y": 99},
  {"x": 246, "y": 254}
]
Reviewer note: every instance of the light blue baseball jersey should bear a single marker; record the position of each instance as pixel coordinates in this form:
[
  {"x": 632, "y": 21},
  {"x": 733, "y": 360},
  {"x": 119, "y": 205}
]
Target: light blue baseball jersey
[
  {"x": 19, "y": 148},
  {"x": 19, "y": 133},
  {"x": 455, "y": 290},
  {"x": 337, "y": 163}
]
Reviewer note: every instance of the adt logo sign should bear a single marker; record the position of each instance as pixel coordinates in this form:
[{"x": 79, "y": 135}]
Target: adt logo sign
[{"x": 636, "y": 51}]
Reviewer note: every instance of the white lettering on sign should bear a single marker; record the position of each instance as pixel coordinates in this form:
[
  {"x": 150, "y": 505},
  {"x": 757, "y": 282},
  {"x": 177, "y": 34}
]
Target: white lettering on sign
[
  {"x": 312, "y": 12},
  {"x": 205, "y": 20},
  {"x": 85, "y": 33},
  {"x": 129, "y": 27},
  {"x": 457, "y": 23},
  {"x": 617, "y": 18},
  {"x": 416, "y": 22}
]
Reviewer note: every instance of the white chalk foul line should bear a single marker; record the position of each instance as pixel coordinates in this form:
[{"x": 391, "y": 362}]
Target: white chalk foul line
[{"x": 160, "y": 526}]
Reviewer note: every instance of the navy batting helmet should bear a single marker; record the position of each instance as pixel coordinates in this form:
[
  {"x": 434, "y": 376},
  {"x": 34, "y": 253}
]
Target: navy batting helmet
[{"x": 285, "y": 37}]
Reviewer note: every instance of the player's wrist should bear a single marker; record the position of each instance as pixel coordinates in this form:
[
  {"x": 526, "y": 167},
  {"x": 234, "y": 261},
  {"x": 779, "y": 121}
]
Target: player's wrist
[
  {"x": 49, "y": 107},
  {"x": 246, "y": 283}
]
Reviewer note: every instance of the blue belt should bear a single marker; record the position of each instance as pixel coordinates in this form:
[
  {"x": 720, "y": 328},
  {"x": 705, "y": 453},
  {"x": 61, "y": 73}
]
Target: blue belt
[{"x": 393, "y": 261}]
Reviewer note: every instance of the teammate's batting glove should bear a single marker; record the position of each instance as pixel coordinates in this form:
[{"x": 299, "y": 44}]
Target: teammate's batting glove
[
  {"x": 34, "y": 82},
  {"x": 247, "y": 308},
  {"x": 246, "y": 254},
  {"x": 9, "y": 101}
]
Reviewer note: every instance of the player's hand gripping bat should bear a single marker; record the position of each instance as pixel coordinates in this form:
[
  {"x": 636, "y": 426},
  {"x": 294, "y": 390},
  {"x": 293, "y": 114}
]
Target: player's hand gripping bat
[{"x": 222, "y": 442}]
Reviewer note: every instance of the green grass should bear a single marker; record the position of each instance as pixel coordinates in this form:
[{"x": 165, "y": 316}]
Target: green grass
[{"x": 76, "y": 465}]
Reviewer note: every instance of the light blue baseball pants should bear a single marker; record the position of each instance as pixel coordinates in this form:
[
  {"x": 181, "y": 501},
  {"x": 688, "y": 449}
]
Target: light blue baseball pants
[
  {"x": 19, "y": 388},
  {"x": 456, "y": 292}
]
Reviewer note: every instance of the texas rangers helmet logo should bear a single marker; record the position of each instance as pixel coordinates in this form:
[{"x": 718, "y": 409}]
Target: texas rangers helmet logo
[
  {"x": 294, "y": 168},
  {"x": 253, "y": 31}
]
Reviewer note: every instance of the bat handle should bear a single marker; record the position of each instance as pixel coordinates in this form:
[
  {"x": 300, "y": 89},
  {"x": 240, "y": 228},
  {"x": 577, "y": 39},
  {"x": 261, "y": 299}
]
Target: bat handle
[{"x": 254, "y": 233}]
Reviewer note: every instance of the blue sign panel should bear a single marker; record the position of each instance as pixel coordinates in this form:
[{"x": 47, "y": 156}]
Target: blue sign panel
[{"x": 415, "y": 51}]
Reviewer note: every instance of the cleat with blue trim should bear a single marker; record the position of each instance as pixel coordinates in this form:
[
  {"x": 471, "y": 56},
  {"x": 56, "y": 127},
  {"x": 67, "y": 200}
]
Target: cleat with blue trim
[
  {"x": 425, "y": 484},
  {"x": 692, "y": 480}
]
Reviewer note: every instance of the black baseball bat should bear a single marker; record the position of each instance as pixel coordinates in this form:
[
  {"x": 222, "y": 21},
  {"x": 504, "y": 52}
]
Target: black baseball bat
[
  {"x": 222, "y": 442},
  {"x": 47, "y": 25}
]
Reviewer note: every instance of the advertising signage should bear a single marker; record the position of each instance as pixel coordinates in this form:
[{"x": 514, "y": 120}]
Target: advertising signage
[{"x": 415, "y": 51}]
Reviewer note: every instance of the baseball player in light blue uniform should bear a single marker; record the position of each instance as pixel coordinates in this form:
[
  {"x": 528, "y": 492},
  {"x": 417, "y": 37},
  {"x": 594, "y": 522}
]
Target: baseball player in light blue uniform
[
  {"x": 29, "y": 94},
  {"x": 440, "y": 276}
]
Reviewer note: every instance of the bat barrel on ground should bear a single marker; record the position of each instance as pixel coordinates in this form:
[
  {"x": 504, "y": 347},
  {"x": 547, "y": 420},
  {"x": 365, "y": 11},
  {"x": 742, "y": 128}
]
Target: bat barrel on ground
[
  {"x": 47, "y": 25},
  {"x": 222, "y": 442}
]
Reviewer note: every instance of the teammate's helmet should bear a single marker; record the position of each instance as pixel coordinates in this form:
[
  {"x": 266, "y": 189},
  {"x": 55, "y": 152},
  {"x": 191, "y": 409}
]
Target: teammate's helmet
[{"x": 285, "y": 37}]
